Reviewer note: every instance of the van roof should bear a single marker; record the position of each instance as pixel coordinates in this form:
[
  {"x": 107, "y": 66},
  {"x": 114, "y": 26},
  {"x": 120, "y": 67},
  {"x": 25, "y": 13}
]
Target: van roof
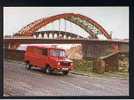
[{"x": 45, "y": 47}]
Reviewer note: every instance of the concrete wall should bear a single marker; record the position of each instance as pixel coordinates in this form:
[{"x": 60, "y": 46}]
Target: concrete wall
[
  {"x": 124, "y": 47},
  {"x": 95, "y": 50}
]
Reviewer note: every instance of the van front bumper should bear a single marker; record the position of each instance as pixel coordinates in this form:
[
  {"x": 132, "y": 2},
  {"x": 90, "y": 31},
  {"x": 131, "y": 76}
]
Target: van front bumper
[{"x": 63, "y": 68}]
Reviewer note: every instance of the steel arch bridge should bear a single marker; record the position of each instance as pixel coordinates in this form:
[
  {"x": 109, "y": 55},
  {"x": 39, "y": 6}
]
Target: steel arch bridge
[
  {"x": 91, "y": 47},
  {"x": 89, "y": 25}
]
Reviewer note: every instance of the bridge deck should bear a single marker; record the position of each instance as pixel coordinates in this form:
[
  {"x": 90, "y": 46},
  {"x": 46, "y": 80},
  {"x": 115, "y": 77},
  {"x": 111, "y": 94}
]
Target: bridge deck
[{"x": 61, "y": 41}]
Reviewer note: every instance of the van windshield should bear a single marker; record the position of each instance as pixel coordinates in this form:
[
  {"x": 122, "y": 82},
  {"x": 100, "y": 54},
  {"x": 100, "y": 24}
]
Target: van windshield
[{"x": 57, "y": 53}]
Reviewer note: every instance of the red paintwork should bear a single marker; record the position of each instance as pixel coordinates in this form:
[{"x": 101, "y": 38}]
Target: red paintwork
[{"x": 39, "y": 60}]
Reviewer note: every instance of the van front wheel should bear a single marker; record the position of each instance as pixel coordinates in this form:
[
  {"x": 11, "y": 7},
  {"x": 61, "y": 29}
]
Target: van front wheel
[
  {"x": 65, "y": 72},
  {"x": 48, "y": 70},
  {"x": 28, "y": 66}
]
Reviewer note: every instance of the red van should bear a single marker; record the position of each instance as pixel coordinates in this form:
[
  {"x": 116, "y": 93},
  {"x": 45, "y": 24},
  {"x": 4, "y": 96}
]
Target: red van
[{"x": 48, "y": 58}]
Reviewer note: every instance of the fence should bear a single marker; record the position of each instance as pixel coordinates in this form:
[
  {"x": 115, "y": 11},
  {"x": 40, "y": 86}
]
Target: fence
[{"x": 14, "y": 54}]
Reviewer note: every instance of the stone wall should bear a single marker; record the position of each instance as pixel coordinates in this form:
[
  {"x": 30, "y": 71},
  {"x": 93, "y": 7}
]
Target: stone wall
[{"x": 113, "y": 62}]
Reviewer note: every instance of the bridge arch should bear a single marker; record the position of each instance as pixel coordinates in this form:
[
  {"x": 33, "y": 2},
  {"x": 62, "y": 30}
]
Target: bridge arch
[{"x": 89, "y": 25}]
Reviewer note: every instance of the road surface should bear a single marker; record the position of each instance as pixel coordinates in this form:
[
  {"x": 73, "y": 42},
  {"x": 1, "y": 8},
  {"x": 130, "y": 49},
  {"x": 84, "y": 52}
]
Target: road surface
[{"x": 19, "y": 81}]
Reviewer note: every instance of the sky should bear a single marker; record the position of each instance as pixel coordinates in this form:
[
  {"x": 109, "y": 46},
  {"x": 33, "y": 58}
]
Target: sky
[{"x": 115, "y": 20}]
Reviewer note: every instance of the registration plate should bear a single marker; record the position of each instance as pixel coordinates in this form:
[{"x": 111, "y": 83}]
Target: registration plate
[{"x": 64, "y": 68}]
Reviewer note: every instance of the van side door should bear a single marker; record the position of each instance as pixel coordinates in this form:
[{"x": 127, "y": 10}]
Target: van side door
[
  {"x": 37, "y": 59},
  {"x": 42, "y": 57}
]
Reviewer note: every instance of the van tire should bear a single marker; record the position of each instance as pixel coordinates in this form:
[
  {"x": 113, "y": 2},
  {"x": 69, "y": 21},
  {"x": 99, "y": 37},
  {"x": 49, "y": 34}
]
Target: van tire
[
  {"x": 48, "y": 70},
  {"x": 28, "y": 65},
  {"x": 65, "y": 72}
]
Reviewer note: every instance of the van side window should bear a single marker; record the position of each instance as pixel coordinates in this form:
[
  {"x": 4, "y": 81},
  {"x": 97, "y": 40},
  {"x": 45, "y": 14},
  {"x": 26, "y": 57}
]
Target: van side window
[{"x": 45, "y": 52}]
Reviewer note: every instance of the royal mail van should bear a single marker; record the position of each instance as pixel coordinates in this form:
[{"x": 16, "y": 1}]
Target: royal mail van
[{"x": 49, "y": 59}]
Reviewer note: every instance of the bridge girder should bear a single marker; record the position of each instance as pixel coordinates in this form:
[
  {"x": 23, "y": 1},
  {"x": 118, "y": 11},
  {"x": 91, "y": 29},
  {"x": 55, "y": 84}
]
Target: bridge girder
[{"x": 56, "y": 34}]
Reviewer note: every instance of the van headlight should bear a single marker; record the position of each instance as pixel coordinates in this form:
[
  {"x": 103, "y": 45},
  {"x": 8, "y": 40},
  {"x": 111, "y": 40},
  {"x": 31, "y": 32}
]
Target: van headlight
[
  {"x": 71, "y": 64},
  {"x": 58, "y": 63}
]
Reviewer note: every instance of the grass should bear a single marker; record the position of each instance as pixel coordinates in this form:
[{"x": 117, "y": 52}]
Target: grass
[{"x": 86, "y": 67}]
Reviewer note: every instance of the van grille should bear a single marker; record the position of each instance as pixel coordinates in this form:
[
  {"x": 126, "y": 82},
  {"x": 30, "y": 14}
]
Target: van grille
[{"x": 65, "y": 63}]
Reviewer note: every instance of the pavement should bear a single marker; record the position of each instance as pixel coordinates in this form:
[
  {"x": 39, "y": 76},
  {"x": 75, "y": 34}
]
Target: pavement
[{"x": 18, "y": 81}]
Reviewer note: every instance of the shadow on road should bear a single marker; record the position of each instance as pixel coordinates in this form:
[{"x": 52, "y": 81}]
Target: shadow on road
[{"x": 41, "y": 71}]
